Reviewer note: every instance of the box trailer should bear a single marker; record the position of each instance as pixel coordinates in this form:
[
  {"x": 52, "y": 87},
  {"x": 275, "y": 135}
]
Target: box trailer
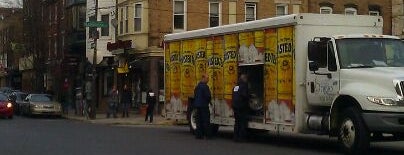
[{"x": 308, "y": 74}]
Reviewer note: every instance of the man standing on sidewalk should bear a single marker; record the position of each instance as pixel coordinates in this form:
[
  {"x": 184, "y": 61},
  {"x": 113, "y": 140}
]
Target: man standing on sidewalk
[
  {"x": 112, "y": 102},
  {"x": 151, "y": 101},
  {"x": 201, "y": 103},
  {"x": 126, "y": 100}
]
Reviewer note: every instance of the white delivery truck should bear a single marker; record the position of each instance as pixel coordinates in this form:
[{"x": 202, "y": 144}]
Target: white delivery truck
[{"x": 308, "y": 74}]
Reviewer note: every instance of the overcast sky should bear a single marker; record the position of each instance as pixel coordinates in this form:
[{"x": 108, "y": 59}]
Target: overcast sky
[{"x": 11, "y": 3}]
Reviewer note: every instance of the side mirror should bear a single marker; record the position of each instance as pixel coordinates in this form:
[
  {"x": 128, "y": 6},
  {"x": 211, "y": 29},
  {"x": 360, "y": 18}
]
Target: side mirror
[{"x": 313, "y": 66}]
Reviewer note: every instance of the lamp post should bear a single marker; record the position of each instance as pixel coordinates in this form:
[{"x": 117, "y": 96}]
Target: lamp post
[{"x": 94, "y": 91}]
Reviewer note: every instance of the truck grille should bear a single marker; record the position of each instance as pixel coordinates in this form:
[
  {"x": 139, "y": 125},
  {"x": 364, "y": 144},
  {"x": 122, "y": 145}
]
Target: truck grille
[{"x": 401, "y": 88}]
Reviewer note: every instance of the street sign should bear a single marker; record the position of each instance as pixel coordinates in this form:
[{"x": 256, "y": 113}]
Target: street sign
[{"x": 96, "y": 24}]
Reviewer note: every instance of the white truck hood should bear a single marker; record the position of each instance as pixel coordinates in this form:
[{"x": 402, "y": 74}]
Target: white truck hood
[{"x": 376, "y": 81}]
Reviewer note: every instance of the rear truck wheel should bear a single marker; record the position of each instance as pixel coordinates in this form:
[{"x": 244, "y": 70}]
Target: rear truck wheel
[
  {"x": 192, "y": 120},
  {"x": 214, "y": 128},
  {"x": 353, "y": 135}
]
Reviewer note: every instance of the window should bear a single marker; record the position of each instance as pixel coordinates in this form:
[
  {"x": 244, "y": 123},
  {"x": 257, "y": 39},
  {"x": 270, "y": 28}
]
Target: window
[
  {"x": 281, "y": 9},
  {"x": 214, "y": 14},
  {"x": 374, "y": 13},
  {"x": 126, "y": 19},
  {"x": 332, "y": 62},
  {"x": 121, "y": 22},
  {"x": 105, "y": 30},
  {"x": 325, "y": 10},
  {"x": 350, "y": 11},
  {"x": 250, "y": 11},
  {"x": 138, "y": 17},
  {"x": 179, "y": 15},
  {"x": 374, "y": 10}
]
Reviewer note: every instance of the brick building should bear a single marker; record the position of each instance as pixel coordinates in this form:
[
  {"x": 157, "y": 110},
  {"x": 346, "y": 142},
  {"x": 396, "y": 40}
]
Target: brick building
[
  {"x": 398, "y": 18},
  {"x": 11, "y": 39}
]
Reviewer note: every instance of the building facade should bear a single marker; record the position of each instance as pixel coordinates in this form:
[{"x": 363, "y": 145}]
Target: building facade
[
  {"x": 11, "y": 46},
  {"x": 398, "y": 18},
  {"x": 105, "y": 13}
]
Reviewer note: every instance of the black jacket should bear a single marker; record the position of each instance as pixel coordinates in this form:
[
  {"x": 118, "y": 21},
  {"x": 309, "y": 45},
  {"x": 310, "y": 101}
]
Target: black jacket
[
  {"x": 202, "y": 95},
  {"x": 241, "y": 96},
  {"x": 126, "y": 97}
]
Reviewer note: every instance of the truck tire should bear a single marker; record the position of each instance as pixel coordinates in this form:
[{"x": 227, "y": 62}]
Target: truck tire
[
  {"x": 192, "y": 120},
  {"x": 353, "y": 135},
  {"x": 214, "y": 128}
]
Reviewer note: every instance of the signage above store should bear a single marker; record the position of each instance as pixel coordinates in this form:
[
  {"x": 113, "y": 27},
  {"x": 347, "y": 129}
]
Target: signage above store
[{"x": 127, "y": 44}]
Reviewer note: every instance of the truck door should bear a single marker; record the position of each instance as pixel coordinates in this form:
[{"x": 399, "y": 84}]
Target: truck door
[{"x": 322, "y": 72}]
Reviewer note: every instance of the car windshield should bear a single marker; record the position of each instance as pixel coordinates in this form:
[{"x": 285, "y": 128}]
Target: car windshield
[
  {"x": 3, "y": 97},
  {"x": 372, "y": 52},
  {"x": 40, "y": 98}
]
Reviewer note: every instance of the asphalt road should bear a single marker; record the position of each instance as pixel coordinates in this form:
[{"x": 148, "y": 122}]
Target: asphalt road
[{"x": 34, "y": 136}]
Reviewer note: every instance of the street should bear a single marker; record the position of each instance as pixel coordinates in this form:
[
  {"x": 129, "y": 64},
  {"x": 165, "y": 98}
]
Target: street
[{"x": 60, "y": 136}]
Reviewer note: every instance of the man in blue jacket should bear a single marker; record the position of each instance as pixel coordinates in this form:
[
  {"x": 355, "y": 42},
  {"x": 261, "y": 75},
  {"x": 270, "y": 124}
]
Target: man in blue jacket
[
  {"x": 241, "y": 98},
  {"x": 201, "y": 103}
]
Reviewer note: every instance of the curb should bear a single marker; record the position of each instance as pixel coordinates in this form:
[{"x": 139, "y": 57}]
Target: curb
[{"x": 126, "y": 122}]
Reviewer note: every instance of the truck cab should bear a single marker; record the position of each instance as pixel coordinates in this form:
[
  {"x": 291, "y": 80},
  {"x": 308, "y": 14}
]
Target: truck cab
[{"x": 361, "y": 79}]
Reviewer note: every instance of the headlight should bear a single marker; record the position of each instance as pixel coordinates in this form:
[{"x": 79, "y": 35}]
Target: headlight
[
  {"x": 9, "y": 105},
  {"x": 34, "y": 106},
  {"x": 383, "y": 101}
]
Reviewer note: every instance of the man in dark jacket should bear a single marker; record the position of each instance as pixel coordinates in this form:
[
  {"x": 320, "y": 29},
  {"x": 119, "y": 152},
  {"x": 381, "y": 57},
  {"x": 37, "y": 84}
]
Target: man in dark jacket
[
  {"x": 151, "y": 101},
  {"x": 241, "y": 98},
  {"x": 201, "y": 103},
  {"x": 126, "y": 100}
]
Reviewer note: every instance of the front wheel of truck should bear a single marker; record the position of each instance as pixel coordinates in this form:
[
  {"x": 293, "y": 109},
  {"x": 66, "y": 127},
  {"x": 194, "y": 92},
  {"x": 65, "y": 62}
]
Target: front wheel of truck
[
  {"x": 353, "y": 135},
  {"x": 192, "y": 120}
]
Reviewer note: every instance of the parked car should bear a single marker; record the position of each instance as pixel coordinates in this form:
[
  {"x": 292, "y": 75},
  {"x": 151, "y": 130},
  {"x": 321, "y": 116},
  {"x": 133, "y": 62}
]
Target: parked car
[
  {"x": 41, "y": 104},
  {"x": 17, "y": 99},
  {"x": 6, "y": 107}
]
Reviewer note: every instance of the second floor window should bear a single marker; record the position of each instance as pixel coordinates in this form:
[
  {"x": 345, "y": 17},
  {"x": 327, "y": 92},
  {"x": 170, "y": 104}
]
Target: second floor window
[
  {"x": 105, "y": 30},
  {"x": 179, "y": 15},
  {"x": 281, "y": 9},
  {"x": 126, "y": 19},
  {"x": 214, "y": 14},
  {"x": 138, "y": 17},
  {"x": 250, "y": 11},
  {"x": 121, "y": 22},
  {"x": 325, "y": 10},
  {"x": 350, "y": 11},
  {"x": 374, "y": 13}
]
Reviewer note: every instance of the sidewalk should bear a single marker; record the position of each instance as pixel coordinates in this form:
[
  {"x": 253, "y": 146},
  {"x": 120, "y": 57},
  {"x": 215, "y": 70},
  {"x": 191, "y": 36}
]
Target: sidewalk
[{"x": 134, "y": 119}]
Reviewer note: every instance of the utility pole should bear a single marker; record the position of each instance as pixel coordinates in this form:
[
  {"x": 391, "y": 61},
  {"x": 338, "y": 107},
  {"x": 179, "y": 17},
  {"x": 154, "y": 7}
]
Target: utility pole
[{"x": 94, "y": 90}]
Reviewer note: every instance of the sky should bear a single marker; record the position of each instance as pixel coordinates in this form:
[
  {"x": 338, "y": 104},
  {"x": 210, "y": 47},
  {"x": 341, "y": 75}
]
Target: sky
[{"x": 11, "y": 3}]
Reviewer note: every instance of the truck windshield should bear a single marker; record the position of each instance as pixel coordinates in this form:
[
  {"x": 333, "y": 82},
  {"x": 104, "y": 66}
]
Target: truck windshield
[{"x": 372, "y": 52}]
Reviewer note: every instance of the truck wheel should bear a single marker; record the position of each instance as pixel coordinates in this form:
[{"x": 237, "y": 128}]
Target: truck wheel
[
  {"x": 192, "y": 121},
  {"x": 353, "y": 136}
]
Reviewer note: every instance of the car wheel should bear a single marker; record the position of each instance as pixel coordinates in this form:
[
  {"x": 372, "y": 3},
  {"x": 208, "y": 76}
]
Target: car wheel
[
  {"x": 353, "y": 136},
  {"x": 10, "y": 117}
]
